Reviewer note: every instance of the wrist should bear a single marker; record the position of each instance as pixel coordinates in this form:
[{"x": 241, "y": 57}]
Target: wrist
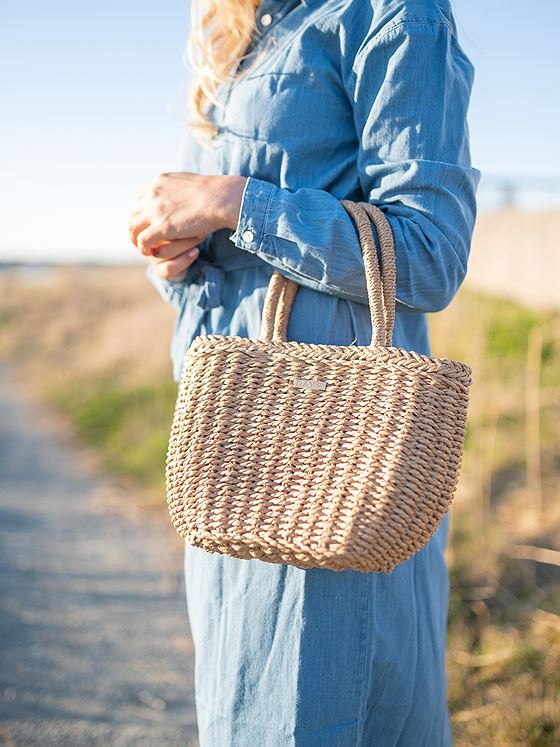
[{"x": 230, "y": 199}]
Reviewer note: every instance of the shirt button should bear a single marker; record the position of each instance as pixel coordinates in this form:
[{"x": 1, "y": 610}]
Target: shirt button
[
  {"x": 248, "y": 236},
  {"x": 266, "y": 19}
]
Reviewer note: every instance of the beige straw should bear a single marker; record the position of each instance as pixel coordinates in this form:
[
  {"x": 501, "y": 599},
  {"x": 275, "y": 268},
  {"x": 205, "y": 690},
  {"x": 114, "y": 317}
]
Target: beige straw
[{"x": 317, "y": 455}]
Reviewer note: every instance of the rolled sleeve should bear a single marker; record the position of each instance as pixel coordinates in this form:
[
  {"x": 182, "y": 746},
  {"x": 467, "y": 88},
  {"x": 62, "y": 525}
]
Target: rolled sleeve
[{"x": 409, "y": 89}]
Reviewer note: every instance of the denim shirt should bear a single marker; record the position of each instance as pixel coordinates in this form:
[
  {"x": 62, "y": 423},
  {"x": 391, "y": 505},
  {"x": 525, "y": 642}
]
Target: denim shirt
[{"x": 357, "y": 99}]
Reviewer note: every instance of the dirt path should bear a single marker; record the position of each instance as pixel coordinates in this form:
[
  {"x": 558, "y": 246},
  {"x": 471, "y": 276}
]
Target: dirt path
[{"x": 94, "y": 645}]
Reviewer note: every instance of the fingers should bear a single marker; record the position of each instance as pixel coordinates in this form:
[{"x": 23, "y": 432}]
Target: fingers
[
  {"x": 140, "y": 218},
  {"x": 166, "y": 209},
  {"x": 172, "y": 249},
  {"x": 149, "y": 237},
  {"x": 134, "y": 229},
  {"x": 146, "y": 216},
  {"x": 176, "y": 268}
]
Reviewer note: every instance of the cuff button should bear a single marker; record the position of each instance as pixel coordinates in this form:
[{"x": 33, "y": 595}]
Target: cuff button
[{"x": 248, "y": 236}]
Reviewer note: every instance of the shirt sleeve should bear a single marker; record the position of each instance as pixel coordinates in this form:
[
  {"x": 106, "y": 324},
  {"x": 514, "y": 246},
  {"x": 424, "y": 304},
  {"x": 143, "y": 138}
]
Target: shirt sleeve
[{"x": 409, "y": 88}]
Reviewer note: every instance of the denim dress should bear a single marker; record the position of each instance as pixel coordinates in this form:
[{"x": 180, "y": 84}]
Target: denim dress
[{"x": 365, "y": 100}]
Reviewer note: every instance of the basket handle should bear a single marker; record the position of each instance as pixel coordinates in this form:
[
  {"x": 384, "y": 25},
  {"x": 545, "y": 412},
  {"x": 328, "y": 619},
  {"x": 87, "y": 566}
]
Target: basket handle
[{"x": 381, "y": 286}]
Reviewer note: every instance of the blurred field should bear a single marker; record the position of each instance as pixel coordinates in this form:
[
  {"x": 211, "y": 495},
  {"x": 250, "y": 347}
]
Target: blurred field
[
  {"x": 515, "y": 254},
  {"x": 94, "y": 342}
]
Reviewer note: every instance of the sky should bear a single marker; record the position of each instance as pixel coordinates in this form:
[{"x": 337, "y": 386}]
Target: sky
[{"x": 93, "y": 108}]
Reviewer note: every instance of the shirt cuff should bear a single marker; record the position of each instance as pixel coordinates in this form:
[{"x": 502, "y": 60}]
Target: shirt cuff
[{"x": 255, "y": 202}]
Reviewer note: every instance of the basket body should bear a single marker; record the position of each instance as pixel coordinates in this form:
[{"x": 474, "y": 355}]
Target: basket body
[{"x": 314, "y": 455}]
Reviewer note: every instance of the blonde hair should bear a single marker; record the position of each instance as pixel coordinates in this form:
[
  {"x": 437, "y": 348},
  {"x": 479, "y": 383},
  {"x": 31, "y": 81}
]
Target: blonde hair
[{"x": 221, "y": 31}]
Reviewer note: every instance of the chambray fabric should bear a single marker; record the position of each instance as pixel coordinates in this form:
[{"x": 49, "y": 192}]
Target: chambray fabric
[{"x": 358, "y": 99}]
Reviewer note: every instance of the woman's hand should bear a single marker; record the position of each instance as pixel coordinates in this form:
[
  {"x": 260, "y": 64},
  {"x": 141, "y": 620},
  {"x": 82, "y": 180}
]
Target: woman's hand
[
  {"x": 178, "y": 210},
  {"x": 172, "y": 259}
]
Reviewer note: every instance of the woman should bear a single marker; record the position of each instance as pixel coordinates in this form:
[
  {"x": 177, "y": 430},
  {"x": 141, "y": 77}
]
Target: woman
[{"x": 358, "y": 99}]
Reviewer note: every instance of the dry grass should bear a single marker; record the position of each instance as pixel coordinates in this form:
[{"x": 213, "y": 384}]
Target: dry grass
[
  {"x": 95, "y": 342},
  {"x": 92, "y": 320},
  {"x": 504, "y": 620}
]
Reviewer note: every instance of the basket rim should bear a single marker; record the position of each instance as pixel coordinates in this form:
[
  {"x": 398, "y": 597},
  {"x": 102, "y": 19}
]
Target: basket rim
[{"x": 350, "y": 355}]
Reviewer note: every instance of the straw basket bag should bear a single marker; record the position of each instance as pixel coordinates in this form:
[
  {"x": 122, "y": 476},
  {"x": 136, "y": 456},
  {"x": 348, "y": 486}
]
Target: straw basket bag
[{"x": 340, "y": 457}]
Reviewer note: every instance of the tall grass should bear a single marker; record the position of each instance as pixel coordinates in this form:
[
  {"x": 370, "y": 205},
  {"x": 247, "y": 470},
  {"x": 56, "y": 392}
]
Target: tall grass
[
  {"x": 95, "y": 344},
  {"x": 504, "y": 622}
]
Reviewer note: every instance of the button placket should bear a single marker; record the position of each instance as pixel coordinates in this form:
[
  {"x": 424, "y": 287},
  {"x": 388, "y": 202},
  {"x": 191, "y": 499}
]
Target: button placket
[{"x": 265, "y": 20}]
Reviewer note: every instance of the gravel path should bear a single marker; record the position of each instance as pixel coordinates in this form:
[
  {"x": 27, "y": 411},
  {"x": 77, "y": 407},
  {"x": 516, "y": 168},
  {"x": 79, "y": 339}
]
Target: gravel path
[{"x": 94, "y": 636}]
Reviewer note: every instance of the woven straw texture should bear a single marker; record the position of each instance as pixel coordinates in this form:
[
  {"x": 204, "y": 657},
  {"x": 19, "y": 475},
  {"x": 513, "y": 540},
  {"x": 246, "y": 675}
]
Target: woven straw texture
[{"x": 341, "y": 457}]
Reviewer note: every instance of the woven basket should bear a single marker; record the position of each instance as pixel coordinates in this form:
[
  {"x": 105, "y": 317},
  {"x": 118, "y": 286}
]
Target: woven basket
[{"x": 317, "y": 455}]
